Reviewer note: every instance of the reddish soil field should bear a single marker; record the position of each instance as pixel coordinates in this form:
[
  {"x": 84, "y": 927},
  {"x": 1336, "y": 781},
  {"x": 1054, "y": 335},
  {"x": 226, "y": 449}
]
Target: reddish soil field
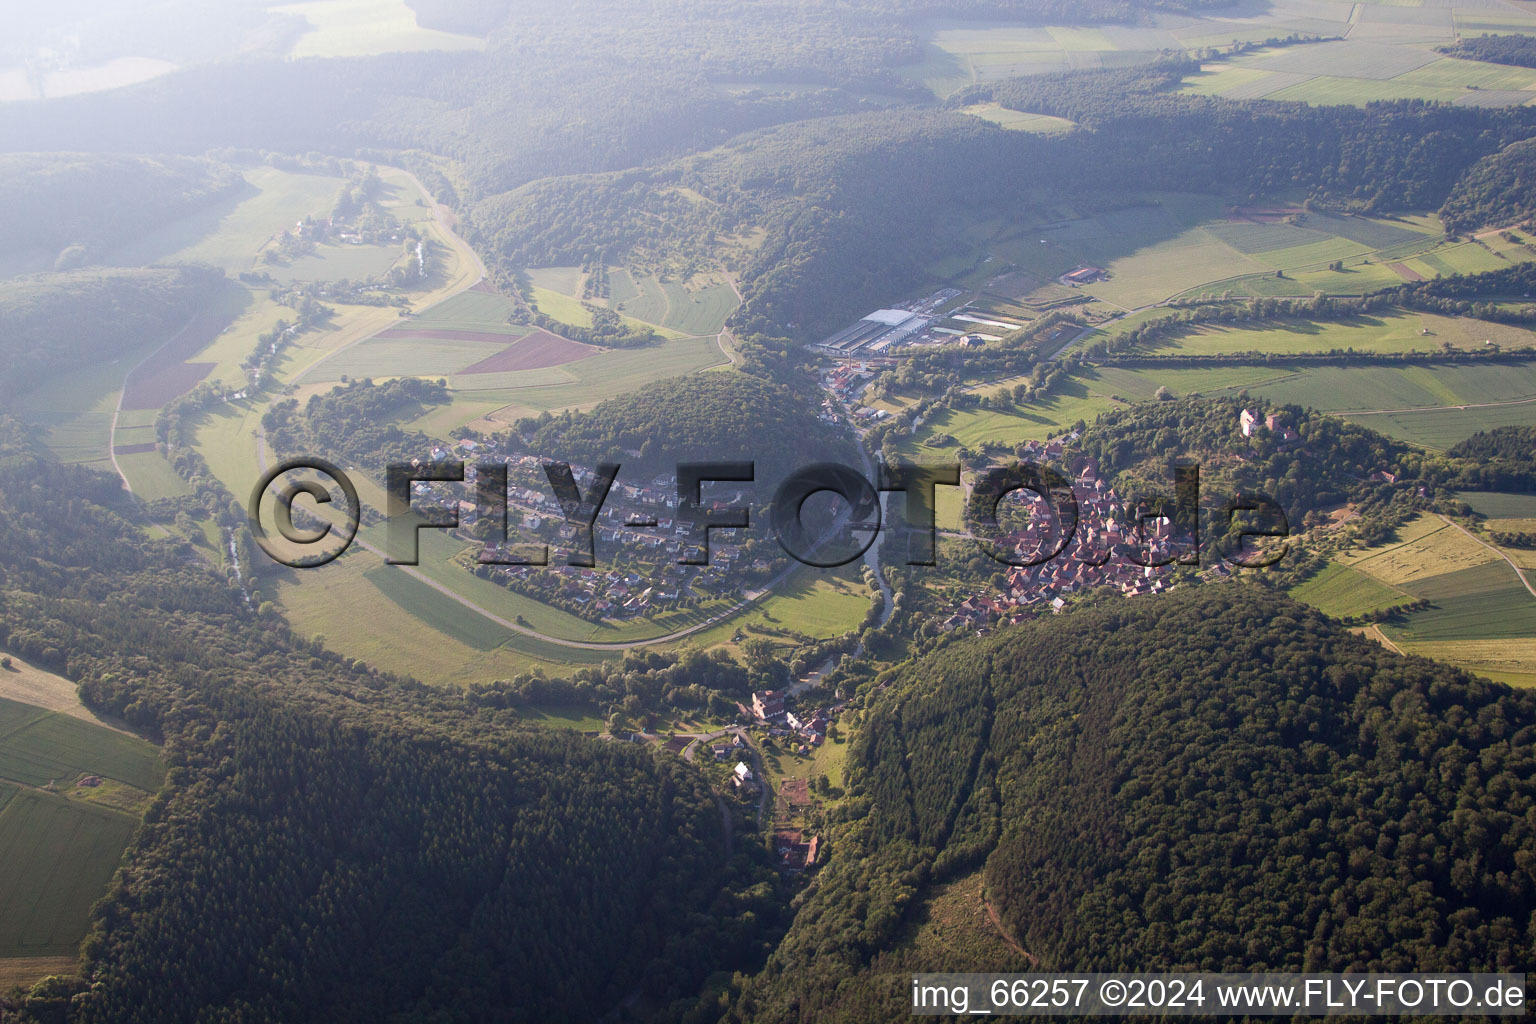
[
  {"x": 146, "y": 390},
  {"x": 1407, "y": 273},
  {"x": 441, "y": 334},
  {"x": 166, "y": 375},
  {"x": 484, "y": 285},
  {"x": 132, "y": 449},
  {"x": 533, "y": 352}
]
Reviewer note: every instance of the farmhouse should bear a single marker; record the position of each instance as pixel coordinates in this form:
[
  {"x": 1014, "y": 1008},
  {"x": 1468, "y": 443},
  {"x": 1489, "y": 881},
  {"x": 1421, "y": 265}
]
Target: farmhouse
[
  {"x": 1084, "y": 275},
  {"x": 767, "y": 704}
]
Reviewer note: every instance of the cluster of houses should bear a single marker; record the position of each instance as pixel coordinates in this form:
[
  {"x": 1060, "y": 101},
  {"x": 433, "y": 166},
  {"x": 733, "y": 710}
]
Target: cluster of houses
[
  {"x": 1089, "y": 560},
  {"x": 806, "y": 728}
]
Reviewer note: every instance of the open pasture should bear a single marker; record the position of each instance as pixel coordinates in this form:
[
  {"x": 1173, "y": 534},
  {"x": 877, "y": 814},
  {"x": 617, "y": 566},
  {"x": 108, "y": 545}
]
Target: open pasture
[
  {"x": 1017, "y": 120},
  {"x": 477, "y": 309},
  {"x": 330, "y": 262},
  {"x": 1389, "y": 54},
  {"x": 1391, "y": 332},
  {"x": 149, "y": 474},
  {"x": 581, "y": 384},
  {"x": 168, "y": 373},
  {"x": 1441, "y": 428},
  {"x": 361, "y": 620}
]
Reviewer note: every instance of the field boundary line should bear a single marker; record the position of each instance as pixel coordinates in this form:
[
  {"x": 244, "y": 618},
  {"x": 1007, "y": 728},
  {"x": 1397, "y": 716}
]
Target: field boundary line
[{"x": 1519, "y": 573}]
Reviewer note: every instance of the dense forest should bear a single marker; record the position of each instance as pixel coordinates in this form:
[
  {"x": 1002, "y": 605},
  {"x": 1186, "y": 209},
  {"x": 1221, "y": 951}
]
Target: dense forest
[
  {"x": 1405, "y": 154},
  {"x": 74, "y": 206},
  {"x": 1496, "y": 49},
  {"x": 338, "y": 844},
  {"x": 356, "y": 422},
  {"x": 838, "y": 199},
  {"x": 1499, "y": 190},
  {"x": 715, "y": 417},
  {"x": 1219, "y": 779},
  {"x": 1511, "y": 443},
  {"x": 57, "y": 322}
]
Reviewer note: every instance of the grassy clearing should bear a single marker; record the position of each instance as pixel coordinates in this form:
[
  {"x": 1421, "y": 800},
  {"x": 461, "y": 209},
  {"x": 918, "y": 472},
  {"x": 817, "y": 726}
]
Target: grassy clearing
[
  {"x": 821, "y": 603},
  {"x": 436, "y": 610},
  {"x": 336, "y": 262},
  {"x": 1441, "y": 428},
  {"x": 563, "y": 716},
  {"x": 1016, "y": 120},
  {"x": 698, "y": 308},
  {"x": 1341, "y": 591},
  {"x": 470, "y": 311},
  {"x": 584, "y": 383},
  {"x": 406, "y": 357},
  {"x": 75, "y": 409},
  {"x": 59, "y": 856}
]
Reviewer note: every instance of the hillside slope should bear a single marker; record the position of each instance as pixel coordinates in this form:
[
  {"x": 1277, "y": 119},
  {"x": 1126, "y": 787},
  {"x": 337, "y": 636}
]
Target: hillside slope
[
  {"x": 337, "y": 844},
  {"x": 1217, "y": 779}
]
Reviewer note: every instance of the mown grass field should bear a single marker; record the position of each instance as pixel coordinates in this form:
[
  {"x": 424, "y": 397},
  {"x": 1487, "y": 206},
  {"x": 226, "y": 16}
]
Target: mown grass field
[
  {"x": 1040, "y": 124},
  {"x": 818, "y": 602},
  {"x": 582, "y": 384},
  {"x": 59, "y": 856},
  {"x": 687, "y": 309},
  {"x": 1508, "y": 660},
  {"x": 1426, "y": 546},
  {"x": 151, "y": 476},
  {"x": 362, "y": 28}
]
